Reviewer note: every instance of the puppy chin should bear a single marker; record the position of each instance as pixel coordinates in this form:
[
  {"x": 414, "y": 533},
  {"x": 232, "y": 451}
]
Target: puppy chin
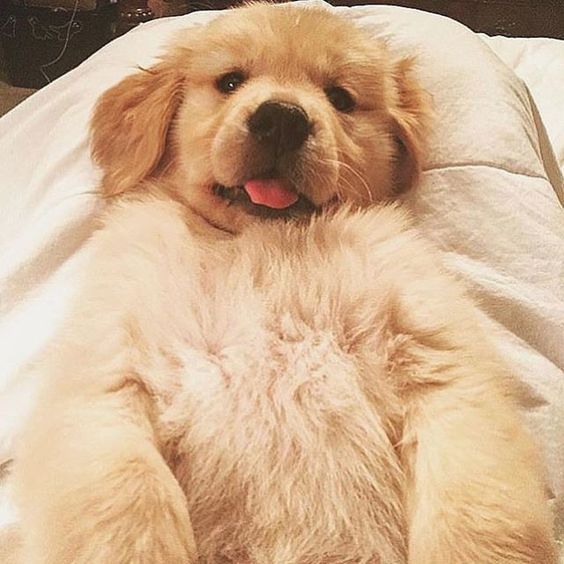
[{"x": 219, "y": 212}]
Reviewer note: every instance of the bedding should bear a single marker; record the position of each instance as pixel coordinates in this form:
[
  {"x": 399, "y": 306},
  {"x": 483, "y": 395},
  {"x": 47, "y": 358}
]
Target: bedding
[
  {"x": 489, "y": 199},
  {"x": 540, "y": 63}
]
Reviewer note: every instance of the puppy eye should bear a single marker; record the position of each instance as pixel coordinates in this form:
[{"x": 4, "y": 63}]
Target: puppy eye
[
  {"x": 229, "y": 82},
  {"x": 340, "y": 98}
]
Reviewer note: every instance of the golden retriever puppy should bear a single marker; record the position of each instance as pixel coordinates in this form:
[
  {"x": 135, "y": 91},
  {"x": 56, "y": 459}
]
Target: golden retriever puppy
[
  {"x": 272, "y": 111},
  {"x": 263, "y": 368}
]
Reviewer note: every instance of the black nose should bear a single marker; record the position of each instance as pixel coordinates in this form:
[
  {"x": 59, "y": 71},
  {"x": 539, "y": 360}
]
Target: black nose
[{"x": 282, "y": 126}]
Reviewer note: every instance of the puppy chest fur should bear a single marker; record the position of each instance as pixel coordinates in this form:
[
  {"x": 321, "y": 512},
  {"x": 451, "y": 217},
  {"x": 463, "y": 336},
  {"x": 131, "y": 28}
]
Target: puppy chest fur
[
  {"x": 320, "y": 393},
  {"x": 276, "y": 406},
  {"x": 282, "y": 365}
]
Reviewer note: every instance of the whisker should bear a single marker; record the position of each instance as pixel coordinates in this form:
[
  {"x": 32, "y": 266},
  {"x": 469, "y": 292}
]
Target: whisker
[
  {"x": 363, "y": 182},
  {"x": 348, "y": 183}
]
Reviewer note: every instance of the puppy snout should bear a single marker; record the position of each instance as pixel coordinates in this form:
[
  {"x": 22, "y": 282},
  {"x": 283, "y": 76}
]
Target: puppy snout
[{"x": 282, "y": 126}]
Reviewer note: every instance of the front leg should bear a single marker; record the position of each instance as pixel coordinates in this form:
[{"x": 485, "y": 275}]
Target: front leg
[
  {"x": 92, "y": 486},
  {"x": 476, "y": 494}
]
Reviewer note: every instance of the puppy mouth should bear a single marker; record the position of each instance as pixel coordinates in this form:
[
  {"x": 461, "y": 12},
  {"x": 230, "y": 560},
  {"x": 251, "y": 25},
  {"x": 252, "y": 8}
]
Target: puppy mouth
[{"x": 267, "y": 198}]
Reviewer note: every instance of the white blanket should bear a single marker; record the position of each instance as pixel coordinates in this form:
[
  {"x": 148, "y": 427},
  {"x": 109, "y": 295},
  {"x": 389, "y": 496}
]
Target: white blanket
[{"x": 488, "y": 199}]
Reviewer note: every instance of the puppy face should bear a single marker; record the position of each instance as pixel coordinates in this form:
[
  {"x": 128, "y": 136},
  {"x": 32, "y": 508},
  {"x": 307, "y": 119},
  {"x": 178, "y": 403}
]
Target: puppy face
[{"x": 269, "y": 111}]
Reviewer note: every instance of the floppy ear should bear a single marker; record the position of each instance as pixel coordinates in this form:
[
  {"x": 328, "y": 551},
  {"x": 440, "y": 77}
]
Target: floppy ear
[
  {"x": 412, "y": 117},
  {"x": 130, "y": 125}
]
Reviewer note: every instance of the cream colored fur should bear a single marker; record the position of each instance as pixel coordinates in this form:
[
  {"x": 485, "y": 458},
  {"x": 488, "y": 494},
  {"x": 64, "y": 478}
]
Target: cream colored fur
[{"x": 316, "y": 391}]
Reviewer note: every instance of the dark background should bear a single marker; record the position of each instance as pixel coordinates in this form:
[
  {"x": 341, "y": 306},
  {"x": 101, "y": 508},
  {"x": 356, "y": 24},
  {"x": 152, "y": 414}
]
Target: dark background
[{"x": 42, "y": 39}]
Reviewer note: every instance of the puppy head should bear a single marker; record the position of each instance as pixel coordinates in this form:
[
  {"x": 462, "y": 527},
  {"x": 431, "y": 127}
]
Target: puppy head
[{"x": 268, "y": 111}]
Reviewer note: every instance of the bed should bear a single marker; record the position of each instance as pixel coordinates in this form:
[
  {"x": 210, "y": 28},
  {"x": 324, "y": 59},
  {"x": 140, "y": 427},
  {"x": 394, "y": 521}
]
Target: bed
[{"x": 491, "y": 199}]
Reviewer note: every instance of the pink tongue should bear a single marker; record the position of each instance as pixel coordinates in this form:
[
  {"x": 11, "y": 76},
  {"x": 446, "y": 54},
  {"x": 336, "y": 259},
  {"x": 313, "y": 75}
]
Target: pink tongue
[{"x": 271, "y": 192}]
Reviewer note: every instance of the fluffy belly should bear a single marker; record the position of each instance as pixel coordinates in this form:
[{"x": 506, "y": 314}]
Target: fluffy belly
[
  {"x": 271, "y": 371},
  {"x": 283, "y": 454}
]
